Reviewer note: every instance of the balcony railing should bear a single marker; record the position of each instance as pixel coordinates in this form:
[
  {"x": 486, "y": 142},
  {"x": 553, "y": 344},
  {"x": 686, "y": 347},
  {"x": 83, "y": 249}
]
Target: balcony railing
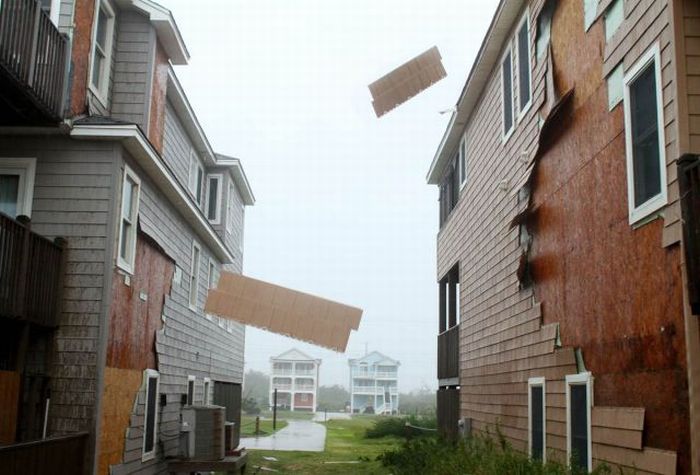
[
  {"x": 448, "y": 353},
  {"x": 30, "y": 274},
  {"x": 45, "y": 457},
  {"x": 33, "y": 53},
  {"x": 282, "y": 387},
  {"x": 386, "y": 374},
  {"x": 304, "y": 387},
  {"x": 283, "y": 371}
]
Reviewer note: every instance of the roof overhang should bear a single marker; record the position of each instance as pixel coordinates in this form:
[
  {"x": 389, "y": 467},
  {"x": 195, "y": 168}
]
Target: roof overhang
[
  {"x": 177, "y": 97},
  {"x": 146, "y": 156},
  {"x": 168, "y": 33},
  {"x": 507, "y": 14},
  {"x": 239, "y": 177}
]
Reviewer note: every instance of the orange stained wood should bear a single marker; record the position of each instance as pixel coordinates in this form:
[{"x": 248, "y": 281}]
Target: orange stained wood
[
  {"x": 614, "y": 290},
  {"x": 156, "y": 124},
  {"x": 137, "y": 308},
  {"x": 80, "y": 56},
  {"x": 9, "y": 401},
  {"x": 285, "y": 311},
  {"x": 120, "y": 389}
]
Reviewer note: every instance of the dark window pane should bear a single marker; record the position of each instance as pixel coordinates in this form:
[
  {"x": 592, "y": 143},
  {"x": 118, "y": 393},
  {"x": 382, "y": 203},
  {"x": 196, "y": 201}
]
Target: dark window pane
[
  {"x": 150, "y": 414},
  {"x": 537, "y": 418},
  {"x": 507, "y": 94},
  {"x": 579, "y": 425},
  {"x": 199, "y": 185},
  {"x": 190, "y": 392},
  {"x": 524, "y": 65},
  {"x": 213, "y": 193},
  {"x": 9, "y": 192},
  {"x": 645, "y": 137}
]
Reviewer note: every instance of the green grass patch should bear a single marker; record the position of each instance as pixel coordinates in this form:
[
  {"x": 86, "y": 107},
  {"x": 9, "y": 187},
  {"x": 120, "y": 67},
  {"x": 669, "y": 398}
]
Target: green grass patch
[
  {"x": 289, "y": 415},
  {"x": 345, "y": 442},
  {"x": 248, "y": 426}
]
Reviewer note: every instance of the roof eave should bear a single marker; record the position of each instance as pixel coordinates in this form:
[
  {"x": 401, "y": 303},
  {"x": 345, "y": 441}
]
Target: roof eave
[
  {"x": 239, "y": 177},
  {"x": 166, "y": 28}
]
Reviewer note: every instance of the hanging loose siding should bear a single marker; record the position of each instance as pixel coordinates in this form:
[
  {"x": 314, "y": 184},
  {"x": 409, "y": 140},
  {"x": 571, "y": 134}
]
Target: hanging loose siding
[{"x": 509, "y": 334}]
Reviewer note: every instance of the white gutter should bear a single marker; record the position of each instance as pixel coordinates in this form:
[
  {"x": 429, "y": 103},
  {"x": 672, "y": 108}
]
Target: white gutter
[
  {"x": 144, "y": 154},
  {"x": 239, "y": 177}
]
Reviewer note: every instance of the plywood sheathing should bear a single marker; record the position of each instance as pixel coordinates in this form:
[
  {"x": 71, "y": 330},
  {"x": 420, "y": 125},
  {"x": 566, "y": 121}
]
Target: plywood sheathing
[
  {"x": 284, "y": 311},
  {"x": 404, "y": 82}
]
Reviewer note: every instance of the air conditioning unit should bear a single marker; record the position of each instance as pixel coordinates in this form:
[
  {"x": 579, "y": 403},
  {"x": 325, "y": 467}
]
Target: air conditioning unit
[{"x": 202, "y": 432}]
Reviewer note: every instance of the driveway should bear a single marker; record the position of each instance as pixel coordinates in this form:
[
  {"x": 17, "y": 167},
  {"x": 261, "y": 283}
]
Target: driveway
[{"x": 304, "y": 436}]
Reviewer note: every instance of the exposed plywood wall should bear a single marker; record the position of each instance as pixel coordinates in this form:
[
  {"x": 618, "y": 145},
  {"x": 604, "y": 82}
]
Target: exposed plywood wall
[
  {"x": 506, "y": 335},
  {"x": 9, "y": 404}
]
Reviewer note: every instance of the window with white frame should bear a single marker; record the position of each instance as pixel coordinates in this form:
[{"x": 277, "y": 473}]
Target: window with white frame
[
  {"x": 579, "y": 400},
  {"x": 524, "y": 61},
  {"x": 103, "y": 34},
  {"x": 194, "y": 274},
  {"x": 229, "y": 208},
  {"x": 213, "y": 204},
  {"x": 211, "y": 275},
  {"x": 190, "y": 389},
  {"x": 196, "y": 177},
  {"x": 507, "y": 93},
  {"x": 614, "y": 16},
  {"x": 17, "y": 186},
  {"x": 462, "y": 161},
  {"x": 537, "y": 419},
  {"x": 127, "y": 226},
  {"x": 205, "y": 397},
  {"x": 644, "y": 134},
  {"x": 150, "y": 433}
]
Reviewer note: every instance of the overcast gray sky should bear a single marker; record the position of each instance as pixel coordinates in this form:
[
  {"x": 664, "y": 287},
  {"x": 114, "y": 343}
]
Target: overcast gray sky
[{"x": 343, "y": 210}]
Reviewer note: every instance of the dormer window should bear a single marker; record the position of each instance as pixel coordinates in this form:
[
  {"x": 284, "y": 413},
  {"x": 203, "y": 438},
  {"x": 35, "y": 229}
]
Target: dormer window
[
  {"x": 103, "y": 33},
  {"x": 196, "y": 178},
  {"x": 213, "y": 205}
]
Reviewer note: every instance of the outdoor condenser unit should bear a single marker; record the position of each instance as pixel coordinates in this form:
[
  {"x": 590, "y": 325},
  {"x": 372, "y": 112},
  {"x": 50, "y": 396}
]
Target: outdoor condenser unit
[{"x": 202, "y": 432}]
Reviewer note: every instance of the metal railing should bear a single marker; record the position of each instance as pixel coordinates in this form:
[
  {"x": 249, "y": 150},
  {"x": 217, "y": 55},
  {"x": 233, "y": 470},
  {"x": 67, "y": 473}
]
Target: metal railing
[
  {"x": 448, "y": 353},
  {"x": 34, "y": 52},
  {"x": 30, "y": 274},
  {"x": 45, "y": 457}
]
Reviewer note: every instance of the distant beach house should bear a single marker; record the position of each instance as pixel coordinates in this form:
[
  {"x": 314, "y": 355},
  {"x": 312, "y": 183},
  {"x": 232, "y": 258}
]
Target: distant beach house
[
  {"x": 374, "y": 384},
  {"x": 295, "y": 376}
]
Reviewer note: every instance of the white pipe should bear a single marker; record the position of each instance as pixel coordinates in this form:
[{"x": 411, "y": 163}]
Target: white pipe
[{"x": 46, "y": 417}]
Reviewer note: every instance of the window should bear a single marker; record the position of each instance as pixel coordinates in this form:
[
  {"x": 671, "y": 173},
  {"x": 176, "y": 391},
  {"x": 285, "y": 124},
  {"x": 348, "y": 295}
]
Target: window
[
  {"x": 213, "y": 204},
  {"x": 194, "y": 275},
  {"x": 449, "y": 299},
  {"x": 103, "y": 33},
  {"x": 524, "y": 79},
  {"x": 229, "y": 209},
  {"x": 644, "y": 133},
  {"x": 613, "y": 18},
  {"x": 211, "y": 275},
  {"x": 196, "y": 178},
  {"x": 304, "y": 397},
  {"x": 152, "y": 379},
  {"x": 17, "y": 186},
  {"x": 462, "y": 165},
  {"x": 578, "y": 419},
  {"x": 544, "y": 27},
  {"x": 449, "y": 190},
  {"x": 537, "y": 418},
  {"x": 190, "y": 389},
  {"x": 127, "y": 227},
  {"x": 507, "y": 93},
  {"x": 615, "y": 86},
  {"x": 206, "y": 398}
]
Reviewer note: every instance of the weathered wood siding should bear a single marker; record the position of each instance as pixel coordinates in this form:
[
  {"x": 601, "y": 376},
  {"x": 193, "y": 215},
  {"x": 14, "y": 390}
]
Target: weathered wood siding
[
  {"x": 133, "y": 68},
  {"x": 506, "y": 334}
]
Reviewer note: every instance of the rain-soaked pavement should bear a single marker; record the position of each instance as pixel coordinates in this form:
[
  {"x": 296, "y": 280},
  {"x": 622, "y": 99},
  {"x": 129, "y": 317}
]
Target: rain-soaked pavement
[{"x": 304, "y": 436}]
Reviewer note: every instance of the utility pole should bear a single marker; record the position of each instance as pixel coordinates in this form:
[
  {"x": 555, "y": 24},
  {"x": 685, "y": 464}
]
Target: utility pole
[{"x": 274, "y": 412}]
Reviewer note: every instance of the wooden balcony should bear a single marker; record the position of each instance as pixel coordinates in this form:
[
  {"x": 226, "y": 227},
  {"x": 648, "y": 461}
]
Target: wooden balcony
[
  {"x": 58, "y": 455},
  {"x": 33, "y": 64},
  {"x": 30, "y": 274},
  {"x": 448, "y": 353}
]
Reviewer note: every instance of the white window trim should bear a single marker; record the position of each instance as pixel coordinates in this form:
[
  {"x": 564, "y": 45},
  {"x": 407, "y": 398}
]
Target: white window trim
[
  {"x": 462, "y": 161},
  {"x": 101, "y": 94},
  {"x": 229, "y": 208},
  {"x": 191, "y": 379},
  {"x": 194, "y": 276},
  {"x": 192, "y": 180},
  {"x": 217, "y": 216},
  {"x": 573, "y": 380},
  {"x": 505, "y": 134},
  {"x": 147, "y": 374},
  {"x": 537, "y": 382},
  {"x": 206, "y": 390},
  {"x": 122, "y": 263},
  {"x": 55, "y": 11},
  {"x": 652, "y": 205},
  {"x": 525, "y": 19},
  {"x": 211, "y": 266},
  {"x": 26, "y": 169}
]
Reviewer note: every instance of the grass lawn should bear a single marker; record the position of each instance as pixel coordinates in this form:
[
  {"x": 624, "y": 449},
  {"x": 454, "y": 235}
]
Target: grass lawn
[
  {"x": 248, "y": 426},
  {"x": 288, "y": 415},
  {"x": 345, "y": 442}
]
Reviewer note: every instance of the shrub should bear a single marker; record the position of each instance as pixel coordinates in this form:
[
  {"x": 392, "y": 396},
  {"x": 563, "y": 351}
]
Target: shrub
[
  {"x": 396, "y": 426},
  {"x": 478, "y": 455}
]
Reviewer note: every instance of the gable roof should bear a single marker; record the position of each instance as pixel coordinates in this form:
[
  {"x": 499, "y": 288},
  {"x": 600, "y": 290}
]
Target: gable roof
[
  {"x": 375, "y": 357},
  {"x": 295, "y": 355}
]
